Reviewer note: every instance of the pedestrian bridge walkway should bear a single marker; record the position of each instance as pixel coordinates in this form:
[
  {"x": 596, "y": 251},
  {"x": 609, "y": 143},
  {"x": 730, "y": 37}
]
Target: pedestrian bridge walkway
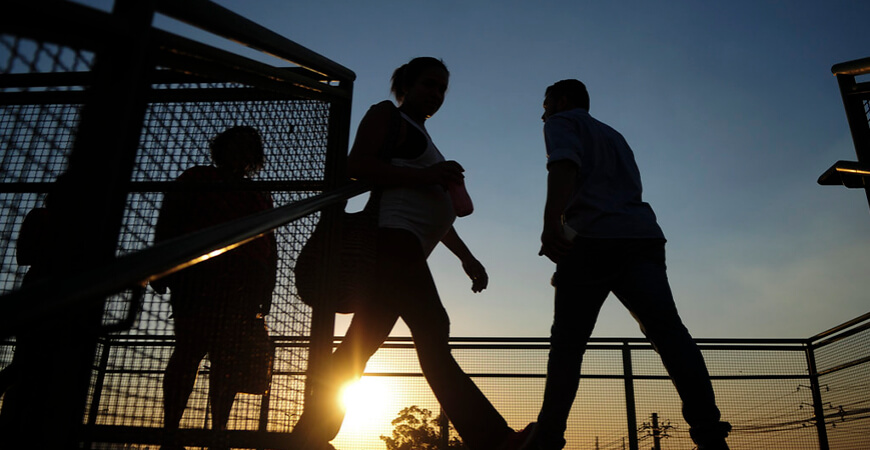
[
  {"x": 103, "y": 111},
  {"x": 778, "y": 393}
]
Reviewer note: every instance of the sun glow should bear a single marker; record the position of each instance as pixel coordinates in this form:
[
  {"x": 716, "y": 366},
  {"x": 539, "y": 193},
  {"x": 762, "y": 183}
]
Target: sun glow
[{"x": 366, "y": 403}]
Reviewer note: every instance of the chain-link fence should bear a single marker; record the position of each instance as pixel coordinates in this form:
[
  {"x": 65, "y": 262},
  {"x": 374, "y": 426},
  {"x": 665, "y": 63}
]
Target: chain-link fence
[
  {"x": 177, "y": 138},
  {"x": 843, "y": 363},
  {"x": 36, "y": 136},
  {"x": 803, "y": 394},
  {"x": 50, "y": 74},
  {"x": 765, "y": 388},
  {"x": 762, "y": 387}
]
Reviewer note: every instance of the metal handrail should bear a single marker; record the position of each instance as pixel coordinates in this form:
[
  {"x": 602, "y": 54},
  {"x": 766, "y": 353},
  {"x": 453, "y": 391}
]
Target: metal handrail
[
  {"x": 175, "y": 51},
  {"x": 845, "y": 329},
  {"x": 855, "y": 67},
  {"x": 92, "y": 26},
  {"x": 63, "y": 291},
  {"x": 216, "y": 19}
]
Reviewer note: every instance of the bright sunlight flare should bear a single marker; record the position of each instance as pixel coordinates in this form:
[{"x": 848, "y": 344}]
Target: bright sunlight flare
[{"x": 367, "y": 404}]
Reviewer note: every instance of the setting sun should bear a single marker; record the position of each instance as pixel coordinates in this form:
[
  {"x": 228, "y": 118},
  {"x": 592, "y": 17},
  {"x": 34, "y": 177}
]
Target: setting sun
[{"x": 366, "y": 402}]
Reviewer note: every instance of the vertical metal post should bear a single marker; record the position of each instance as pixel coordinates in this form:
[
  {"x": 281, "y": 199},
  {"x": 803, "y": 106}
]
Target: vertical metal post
[
  {"x": 818, "y": 407},
  {"x": 323, "y": 318},
  {"x": 265, "y": 404},
  {"x": 630, "y": 406},
  {"x": 94, "y": 410},
  {"x": 98, "y": 383},
  {"x": 264, "y": 411},
  {"x": 85, "y": 229},
  {"x": 444, "y": 425}
]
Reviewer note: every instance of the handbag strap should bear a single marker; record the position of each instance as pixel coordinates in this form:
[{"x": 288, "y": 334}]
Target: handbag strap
[
  {"x": 392, "y": 137},
  {"x": 384, "y": 154}
]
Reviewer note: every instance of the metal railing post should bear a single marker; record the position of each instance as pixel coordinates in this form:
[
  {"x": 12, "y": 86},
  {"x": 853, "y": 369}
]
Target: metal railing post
[
  {"x": 100, "y": 380},
  {"x": 323, "y": 317},
  {"x": 94, "y": 409},
  {"x": 630, "y": 406},
  {"x": 86, "y": 223},
  {"x": 818, "y": 407},
  {"x": 444, "y": 426}
]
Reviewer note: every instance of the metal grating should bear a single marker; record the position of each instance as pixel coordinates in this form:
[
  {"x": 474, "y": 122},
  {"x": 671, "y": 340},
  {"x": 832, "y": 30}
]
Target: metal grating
[
  {"x": 176, "y": 137},
  {"x": 764, "y": 390},
  {"x": 844, "y": 363},
  {"x": 36, "y": 138}
]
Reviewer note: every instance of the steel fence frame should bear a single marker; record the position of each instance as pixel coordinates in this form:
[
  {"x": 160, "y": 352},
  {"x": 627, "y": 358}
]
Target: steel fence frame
[
  {"x": 855, "y": 94},
  {"x": 840, "y": 362},
  {"x": 778, "y": 393},
  {"x": 110, "y": 75},
  {"x": 105, "y": 72}
]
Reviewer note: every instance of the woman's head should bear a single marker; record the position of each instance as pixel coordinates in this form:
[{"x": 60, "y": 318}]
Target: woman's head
[
  {"x": 421, "y": 84},
  {"x": 238, "y": 150}
]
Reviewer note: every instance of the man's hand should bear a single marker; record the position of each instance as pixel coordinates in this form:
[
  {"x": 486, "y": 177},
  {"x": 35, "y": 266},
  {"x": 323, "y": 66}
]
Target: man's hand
[
  {"x": 475, "y": 270},
  {"x": 554, "y": 245},
  {"x": 560, "y": 188}
]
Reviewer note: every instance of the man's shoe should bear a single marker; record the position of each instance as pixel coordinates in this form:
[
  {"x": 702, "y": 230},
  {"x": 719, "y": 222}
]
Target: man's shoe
[
  {"x": 711, "y": 437},
  {"x": 520, "y": 440},
  {"x": 722, "y": 445}
]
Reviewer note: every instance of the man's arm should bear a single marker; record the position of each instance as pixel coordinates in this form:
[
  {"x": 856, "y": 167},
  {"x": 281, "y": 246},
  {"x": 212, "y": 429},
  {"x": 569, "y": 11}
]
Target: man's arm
[
  {"x": 473, "y": 268},
  {"x": 560, "y": 188}
]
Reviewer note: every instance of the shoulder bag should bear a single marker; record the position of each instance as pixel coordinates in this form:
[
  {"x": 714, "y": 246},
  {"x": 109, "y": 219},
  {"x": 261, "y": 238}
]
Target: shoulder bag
[{"x": 348, "y": 281}]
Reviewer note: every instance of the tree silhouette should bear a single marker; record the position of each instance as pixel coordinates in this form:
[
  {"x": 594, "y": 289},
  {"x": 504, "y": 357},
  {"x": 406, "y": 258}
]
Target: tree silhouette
[{"x": 416, "y": 429}]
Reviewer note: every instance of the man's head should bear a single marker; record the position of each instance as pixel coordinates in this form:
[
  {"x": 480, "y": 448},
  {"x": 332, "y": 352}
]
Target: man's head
[{"x": 563, "y": 96}]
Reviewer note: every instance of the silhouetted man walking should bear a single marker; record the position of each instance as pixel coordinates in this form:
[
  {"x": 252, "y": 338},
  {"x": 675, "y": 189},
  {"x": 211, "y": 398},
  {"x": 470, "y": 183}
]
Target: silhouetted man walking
[{"x": 604, "y": 238}]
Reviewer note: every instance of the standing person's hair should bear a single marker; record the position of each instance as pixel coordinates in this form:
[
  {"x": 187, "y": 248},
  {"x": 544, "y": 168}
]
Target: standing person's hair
[
  {"x": 238, "y": 141},
  {"x": 407, "y": 74},
  {"x": 574, "y": 90}
]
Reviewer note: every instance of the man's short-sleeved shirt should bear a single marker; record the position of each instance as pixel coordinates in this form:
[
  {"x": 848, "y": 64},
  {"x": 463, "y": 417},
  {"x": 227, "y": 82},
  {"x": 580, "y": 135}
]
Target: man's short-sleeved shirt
[{"x": 607, "y": 200}]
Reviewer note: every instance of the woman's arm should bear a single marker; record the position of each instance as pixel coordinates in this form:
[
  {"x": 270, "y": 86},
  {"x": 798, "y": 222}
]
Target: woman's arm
[
  {"x": 364, "y": 161},
  {"x": 473, "y": 268}
]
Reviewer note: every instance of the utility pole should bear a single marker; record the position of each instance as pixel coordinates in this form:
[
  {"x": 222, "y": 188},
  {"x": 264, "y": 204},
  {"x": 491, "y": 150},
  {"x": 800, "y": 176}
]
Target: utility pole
[
  {"x": 657, "y": 435},
  {"x": 657, "y": 430}
]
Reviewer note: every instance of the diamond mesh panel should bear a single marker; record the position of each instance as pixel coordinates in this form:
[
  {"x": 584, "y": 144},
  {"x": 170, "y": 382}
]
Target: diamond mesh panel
[
  {"x": 36, "y": 139},
  {"x": 762, "y": 390},
  {"x": 846, "y": 389},
  {"x": 176, "y": 137}
]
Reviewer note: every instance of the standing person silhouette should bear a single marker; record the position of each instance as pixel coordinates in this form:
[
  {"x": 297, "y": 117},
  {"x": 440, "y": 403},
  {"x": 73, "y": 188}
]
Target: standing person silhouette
[
  {"x": 219, "y": 304},
  {"x": 415, "y": 214},
  {"x": 33, "y": 248},
  {"x": 604, "y": 238}
]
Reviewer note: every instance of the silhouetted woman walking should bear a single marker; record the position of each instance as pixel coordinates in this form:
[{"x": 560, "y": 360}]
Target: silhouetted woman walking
[{"x": 416, "y": 213}]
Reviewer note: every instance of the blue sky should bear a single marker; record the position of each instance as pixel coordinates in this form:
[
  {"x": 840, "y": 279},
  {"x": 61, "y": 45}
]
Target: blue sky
[{"x": 731, "y": 110}]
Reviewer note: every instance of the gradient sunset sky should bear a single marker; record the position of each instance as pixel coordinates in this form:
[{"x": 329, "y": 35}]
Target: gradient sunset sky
[{"x": 730, "y": 107}]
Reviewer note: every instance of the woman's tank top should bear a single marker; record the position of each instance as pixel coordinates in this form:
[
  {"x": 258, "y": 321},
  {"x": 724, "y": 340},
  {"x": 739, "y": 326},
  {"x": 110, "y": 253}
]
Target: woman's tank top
[{"x": 425, "y": 211}]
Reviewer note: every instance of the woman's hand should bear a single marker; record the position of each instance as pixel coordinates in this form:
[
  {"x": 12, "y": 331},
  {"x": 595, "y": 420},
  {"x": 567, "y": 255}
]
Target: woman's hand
[
  {"x": 477, "y": 273},
  {"x": 473, "y": 268},
  {"x": 444, "y": 173}
]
